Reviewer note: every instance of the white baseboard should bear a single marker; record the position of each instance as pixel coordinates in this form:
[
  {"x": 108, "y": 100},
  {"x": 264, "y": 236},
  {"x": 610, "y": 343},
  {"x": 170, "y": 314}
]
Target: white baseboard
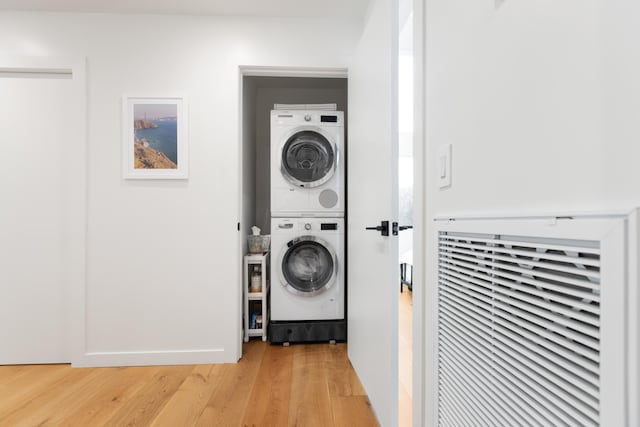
[{"x": 150, "y": 358}]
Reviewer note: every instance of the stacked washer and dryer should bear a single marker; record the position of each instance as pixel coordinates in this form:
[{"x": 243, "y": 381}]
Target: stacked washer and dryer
[{"x": 307, "y": 226}]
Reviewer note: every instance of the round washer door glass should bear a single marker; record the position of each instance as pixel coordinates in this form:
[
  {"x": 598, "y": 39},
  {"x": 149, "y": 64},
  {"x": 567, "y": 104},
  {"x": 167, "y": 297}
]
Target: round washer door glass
[
  {"x": 308, "y": 266},
  {"x": 308, "y": 159}
]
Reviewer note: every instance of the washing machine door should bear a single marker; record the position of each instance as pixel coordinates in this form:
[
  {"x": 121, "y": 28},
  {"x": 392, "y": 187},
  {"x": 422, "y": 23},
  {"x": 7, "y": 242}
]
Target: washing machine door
[
  {"x": 309, "y": 159},
  {"x": 309, "y": 266}
]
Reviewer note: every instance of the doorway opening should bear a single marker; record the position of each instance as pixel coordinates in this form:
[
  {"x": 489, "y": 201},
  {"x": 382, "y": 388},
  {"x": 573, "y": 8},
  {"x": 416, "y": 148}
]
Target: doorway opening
[
  {"x": 405, "y": 212},
  {"x": 261, "y": 88}
]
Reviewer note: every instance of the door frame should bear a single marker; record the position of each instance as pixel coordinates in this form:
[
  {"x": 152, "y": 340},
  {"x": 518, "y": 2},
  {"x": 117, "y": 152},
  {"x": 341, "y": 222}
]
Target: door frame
[
  {"x": 262, "y": 71},
  {"x": 75, "y": 68},
  {"x": 420, "y": 214}
]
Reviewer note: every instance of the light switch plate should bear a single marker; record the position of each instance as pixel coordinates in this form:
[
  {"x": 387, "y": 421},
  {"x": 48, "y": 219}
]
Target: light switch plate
[{"x": 444, "y": 166}]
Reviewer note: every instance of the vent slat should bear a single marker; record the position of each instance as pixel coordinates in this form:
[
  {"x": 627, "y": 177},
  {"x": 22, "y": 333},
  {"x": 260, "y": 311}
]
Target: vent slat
[
  {"x": 531, "y": 411},
  {"x": 584, "y": 290},
  {"x": 496, "y": 393},
  {"x": 563, "y": 382},
  {"x": 549, "y": 410},
  {"x": 540, "y": 265},
  {"x": 522, "y": 294},
  {"x": 552, "y": 331},
  {"x": 518, "y": 331},
  {"x": 450, "y": 417},
  {"x": 467, "y": 405},
  {"x": 543, "y": 310},
  {"x": 543, "y": 372},
  {"x": 527, "y": 380},
  {"x": 452, "y": 403},
  {"x": 517, "y": 282},
  {"x": 533, "y": 255},
  {"x": 570, "y": 362},
  {"x": 546, "y": 407},
  {"x": 576, "y": 354},
  {"x": 530, "y": 244},
  {"x": 485, "y": 408},
  {"x": 511, "y": 403},
  {"x": 475, "y": 390}
]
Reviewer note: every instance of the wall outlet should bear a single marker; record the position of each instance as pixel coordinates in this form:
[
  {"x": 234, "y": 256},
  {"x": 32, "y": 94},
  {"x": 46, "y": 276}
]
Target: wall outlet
[{"x": 443, "y": 167}]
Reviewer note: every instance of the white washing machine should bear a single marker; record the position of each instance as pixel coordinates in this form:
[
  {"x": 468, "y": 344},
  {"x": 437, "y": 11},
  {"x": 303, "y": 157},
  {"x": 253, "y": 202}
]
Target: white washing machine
[
  {"x": 307, "y": 163},
  {"x": 307, "y": 269}
]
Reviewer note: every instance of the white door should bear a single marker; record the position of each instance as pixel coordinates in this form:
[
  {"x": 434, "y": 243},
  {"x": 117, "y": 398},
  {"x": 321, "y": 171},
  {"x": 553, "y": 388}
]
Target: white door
[
  {"x": 34, "y": 219},
  {"x": 373, "y": 270}
]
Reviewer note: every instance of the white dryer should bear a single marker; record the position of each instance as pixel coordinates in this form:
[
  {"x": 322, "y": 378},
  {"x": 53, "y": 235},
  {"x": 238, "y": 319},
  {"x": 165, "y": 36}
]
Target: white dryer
[
  {"x": 307, "y": 269},
  {"x": 307, "y": 163}
]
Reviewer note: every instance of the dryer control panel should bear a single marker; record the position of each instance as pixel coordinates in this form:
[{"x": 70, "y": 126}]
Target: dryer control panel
[{"x": 292, "y": 117}]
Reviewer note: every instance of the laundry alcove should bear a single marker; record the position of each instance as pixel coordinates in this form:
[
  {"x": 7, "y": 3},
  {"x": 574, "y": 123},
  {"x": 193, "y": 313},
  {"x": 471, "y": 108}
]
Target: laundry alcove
[{"x": 259, "y": 93}]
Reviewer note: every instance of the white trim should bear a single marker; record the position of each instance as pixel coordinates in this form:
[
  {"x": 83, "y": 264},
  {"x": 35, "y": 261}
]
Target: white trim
[
  {"x": 79, "y": 284},
  {"x": 149, "y": 358},
  {"x": 420, "y": 224},
  {"x": 395, "y": 193},
  {"x": 570, "y": 228},
  {"x": 288, "y": 71},
  {"x": 431, "y": 328},
  {"x": 633, "y": 318},
  {"x": 52, "y": 73},
  {"x": 41, "y": 64},
  {"x": 613, "y": 331},
  {"x": 532, "y": 214},
  {"x": 242, "y": 228}
]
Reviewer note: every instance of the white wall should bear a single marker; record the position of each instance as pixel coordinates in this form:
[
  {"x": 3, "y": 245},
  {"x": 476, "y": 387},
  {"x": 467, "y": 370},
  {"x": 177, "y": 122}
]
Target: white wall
[
  {"x": 541, "y": 103},
  {"x": 619, "y": 58},
  {"x": 161, "y": 282},
  {"x": 537, "y": 99}
]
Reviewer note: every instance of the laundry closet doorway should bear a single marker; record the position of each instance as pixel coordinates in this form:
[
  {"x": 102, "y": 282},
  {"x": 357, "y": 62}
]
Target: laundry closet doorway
[
  {"x": 260, "y": 89},
  {"x": 371, "y": 187}
]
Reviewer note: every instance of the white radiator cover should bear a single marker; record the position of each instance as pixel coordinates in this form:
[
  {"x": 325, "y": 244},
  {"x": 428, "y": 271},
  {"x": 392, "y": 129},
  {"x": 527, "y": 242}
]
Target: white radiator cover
[{"x": 532, "y": 322}]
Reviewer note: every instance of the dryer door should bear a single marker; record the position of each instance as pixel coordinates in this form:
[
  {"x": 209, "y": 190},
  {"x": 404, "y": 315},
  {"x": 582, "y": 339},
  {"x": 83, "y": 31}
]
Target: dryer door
[
  {"x": 309, "y": 266},
  {"x": 308, "y": 159}
]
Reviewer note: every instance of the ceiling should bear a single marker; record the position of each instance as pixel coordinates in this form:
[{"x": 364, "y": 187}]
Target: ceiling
[{"x": 270, "y": 8}]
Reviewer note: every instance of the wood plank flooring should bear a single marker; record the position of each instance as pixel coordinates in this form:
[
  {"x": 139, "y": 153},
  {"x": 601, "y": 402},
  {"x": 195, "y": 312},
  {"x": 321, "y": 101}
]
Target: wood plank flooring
[
  {"x": 405, "y": 352},
  {"x": 301, "y": 385}
]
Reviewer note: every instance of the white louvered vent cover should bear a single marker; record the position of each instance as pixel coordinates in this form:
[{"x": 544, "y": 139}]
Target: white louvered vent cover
[{"x": 518, "y": 331}]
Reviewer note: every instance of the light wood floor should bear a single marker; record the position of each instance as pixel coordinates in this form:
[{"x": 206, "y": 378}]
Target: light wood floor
[
  {"x": 405, "y": 322},
  {"x": 301, "y": 385}
]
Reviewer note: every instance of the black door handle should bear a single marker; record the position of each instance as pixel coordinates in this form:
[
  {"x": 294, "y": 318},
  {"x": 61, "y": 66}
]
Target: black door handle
[
  {"x": 396, "y": 227},
  {"x": 383, "y": 228}
]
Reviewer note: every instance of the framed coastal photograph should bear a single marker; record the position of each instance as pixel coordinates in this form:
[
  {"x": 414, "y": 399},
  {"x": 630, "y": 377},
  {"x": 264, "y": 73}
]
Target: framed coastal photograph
[{"x": 154, "y": 138}]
